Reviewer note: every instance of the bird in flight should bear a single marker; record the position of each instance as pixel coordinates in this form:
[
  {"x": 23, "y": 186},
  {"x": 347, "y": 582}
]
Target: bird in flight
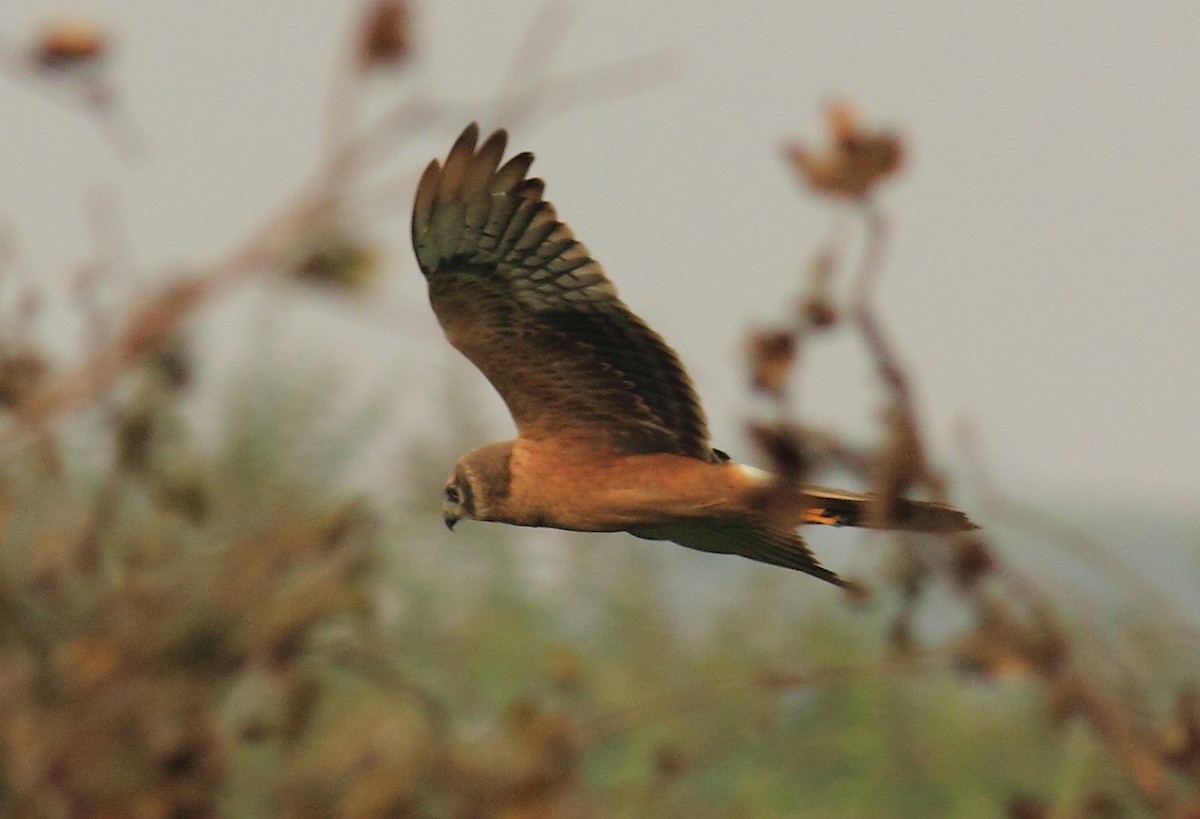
[{"x": 610, "y": 433}]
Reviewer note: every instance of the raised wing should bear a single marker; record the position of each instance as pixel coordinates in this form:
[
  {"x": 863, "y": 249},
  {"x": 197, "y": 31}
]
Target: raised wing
[{"x": 522, "y": 299}]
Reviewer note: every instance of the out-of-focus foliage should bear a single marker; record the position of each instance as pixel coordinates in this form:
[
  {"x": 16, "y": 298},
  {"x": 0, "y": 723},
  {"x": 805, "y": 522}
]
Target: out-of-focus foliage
[
  {"x": 235, "y": 621},
  {"x": 276, "y": 646},
  {"x": 1004, "y": 624}
]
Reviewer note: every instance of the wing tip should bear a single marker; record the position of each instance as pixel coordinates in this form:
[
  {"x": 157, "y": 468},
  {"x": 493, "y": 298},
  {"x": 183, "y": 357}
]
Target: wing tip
[
  {"x": 467, "y": 158},
  {"x": 466, "y": 173},
  {"x": 496, "y": 142},
  {"x": 467, "y": 138},
  {"x": 426, "y": 189},
  {"x": 531, "y": 188},
  {"x": 512, "y": 173},
  {"x": 470, "y": 165},
  {"x": 423, "y": 203},
  {"x": 458, "y": 161}
]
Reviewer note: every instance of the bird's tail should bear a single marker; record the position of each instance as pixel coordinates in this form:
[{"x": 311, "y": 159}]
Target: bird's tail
[{"x": 835, "y": 507}]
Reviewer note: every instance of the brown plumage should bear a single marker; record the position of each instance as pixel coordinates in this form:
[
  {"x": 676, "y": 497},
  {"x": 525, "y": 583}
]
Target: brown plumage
[{"x": 611, "y": 435}]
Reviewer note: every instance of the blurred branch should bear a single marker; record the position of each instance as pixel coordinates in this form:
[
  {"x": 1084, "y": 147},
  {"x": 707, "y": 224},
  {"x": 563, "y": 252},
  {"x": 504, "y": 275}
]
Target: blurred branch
[
  {"x": 1124, "y": 576},
  {"x": 320, "y": 202},
  {"x": 148, "y": 326},
  {"x": 1015, "y": 626},
  {"x": 537, "y": 99},
  {"x": 617, "y": 79},
  {"x": 528, "y": 89},
  {"x": 67, "y": 65}
]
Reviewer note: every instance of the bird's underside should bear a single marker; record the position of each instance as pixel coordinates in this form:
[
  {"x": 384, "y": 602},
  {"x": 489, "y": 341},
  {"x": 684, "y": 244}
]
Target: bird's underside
[{"x": 611, "y": 435}]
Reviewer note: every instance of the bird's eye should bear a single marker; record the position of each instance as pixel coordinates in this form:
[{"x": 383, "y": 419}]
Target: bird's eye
[{"x": 452, "y": 495}]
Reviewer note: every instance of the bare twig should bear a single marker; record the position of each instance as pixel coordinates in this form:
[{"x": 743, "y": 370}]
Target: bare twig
[
  {"x": 1124, "y": 576},
  {"x": 1016, "y": 625},
  {"x": 419, "y": 113},
  {"x": 1138, "y": 753},
  {"x": 148, "y": 325},
  {"x": 890, "y": 370}
]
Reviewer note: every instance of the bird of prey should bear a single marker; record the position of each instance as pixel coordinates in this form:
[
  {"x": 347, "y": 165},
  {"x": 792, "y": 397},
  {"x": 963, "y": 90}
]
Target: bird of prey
[{"x": 610, "y": 434}]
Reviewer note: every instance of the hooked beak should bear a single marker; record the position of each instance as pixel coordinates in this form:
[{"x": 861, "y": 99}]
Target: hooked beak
[{"x": 450, "y": 521}]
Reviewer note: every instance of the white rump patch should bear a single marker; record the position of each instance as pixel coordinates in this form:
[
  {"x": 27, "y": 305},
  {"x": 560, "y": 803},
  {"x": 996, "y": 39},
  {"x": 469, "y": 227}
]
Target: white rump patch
[{"x": 754, "y": 473}]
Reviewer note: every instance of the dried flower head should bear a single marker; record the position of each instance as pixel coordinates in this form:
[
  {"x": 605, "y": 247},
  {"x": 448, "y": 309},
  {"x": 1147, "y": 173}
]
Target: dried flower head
[
  {"x": 971, "y": 560},
  {"x": 818, "y": 312},
  {"x": 772, "y": 353},
  {"x": 854, "y": 164},
  {"x": 385, "y": 37},
  {"x": 784, "y": 448},
  {"x": 68, "y": 44}
]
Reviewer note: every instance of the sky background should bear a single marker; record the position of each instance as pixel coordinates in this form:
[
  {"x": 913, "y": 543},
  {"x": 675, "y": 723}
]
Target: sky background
[{"x": 1042, "y": 281}]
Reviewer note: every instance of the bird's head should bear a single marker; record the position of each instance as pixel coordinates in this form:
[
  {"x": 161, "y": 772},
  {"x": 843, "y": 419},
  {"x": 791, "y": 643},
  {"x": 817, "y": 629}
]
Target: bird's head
[
  {"x": 457, "y": 497},
  {"x": 478, "y": 487}
]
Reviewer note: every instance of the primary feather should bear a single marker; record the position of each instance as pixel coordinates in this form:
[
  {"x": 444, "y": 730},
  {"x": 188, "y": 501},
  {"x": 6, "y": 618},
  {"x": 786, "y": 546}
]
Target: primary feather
[{"x": 522, "y": 298}]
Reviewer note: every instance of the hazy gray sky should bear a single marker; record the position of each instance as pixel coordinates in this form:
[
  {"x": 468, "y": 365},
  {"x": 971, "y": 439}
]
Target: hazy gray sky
[{"x": 1044, "y": 275}]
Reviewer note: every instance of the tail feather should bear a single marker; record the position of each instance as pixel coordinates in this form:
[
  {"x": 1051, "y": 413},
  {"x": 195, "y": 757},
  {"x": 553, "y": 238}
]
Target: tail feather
[{"x": 835, "y": 507}]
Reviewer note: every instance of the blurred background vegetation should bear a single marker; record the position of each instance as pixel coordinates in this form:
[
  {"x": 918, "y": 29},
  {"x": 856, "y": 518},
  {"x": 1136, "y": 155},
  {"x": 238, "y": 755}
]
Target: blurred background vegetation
[
  {"x": 252, "y": 637},
  {"x": 245, "y": 604}
]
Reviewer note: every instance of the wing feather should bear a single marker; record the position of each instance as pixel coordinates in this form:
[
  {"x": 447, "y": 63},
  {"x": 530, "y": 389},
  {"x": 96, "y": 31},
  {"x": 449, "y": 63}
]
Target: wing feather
[
  {"x": 520, "y": 297},
  {"x": 759, "y": 542}
]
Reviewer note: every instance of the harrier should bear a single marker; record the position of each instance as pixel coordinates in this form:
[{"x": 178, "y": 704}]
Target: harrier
[{"x": 610, "y": 433}]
